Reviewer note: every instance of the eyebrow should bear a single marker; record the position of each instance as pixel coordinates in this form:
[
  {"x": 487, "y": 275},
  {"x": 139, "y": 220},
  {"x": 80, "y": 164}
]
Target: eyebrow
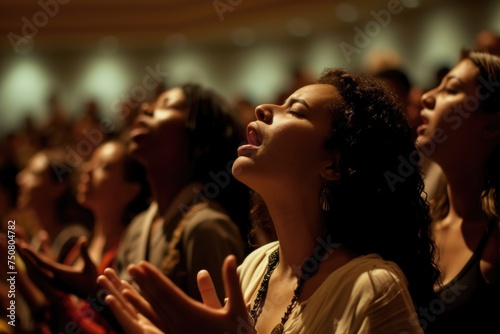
[
  {"x": 301, "y": 101},
  {"x": 454, "y": 77}
]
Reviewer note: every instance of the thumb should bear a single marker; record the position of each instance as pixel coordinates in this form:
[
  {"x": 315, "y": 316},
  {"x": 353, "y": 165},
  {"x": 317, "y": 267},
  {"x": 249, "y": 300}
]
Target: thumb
[
  {"x": 232, "y": 286},
  {"x": 84, "y": 251}
]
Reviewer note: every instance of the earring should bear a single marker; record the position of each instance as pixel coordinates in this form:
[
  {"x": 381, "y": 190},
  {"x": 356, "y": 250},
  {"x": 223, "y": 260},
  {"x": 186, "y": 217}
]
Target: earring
[{"x": 325, "y": 198}]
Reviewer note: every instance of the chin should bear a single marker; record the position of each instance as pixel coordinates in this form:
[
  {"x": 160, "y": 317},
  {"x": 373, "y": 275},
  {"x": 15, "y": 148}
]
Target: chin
[
  {"x": 237, "y": 168},
  {"x": 242, "y": 169},
  {"x": 422, "y": 140}
]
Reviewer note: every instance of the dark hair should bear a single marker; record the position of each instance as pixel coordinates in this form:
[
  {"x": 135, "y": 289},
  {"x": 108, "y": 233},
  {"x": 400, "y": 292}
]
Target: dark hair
[
  {"x": 214, "y": 136},
  {"x": 489, "y": 72},
  {"x": 397, "y": 76},
  {"x": 377, "y": 205}
]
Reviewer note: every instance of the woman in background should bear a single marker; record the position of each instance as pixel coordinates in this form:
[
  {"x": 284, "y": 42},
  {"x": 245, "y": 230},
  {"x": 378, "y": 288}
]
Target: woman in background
[
  {"x": 113, "y": 186},
  {"x": 462, "y": 126}
]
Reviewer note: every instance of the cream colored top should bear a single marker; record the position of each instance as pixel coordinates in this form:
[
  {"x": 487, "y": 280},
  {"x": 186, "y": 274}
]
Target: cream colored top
[{"x": 366, "y": 295}]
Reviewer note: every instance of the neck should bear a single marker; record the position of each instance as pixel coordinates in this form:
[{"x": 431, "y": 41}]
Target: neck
[
  {"x": 299, "y": 229},
  {"x": 464, "y": 190},
  {"x": 164, "y": 187}
]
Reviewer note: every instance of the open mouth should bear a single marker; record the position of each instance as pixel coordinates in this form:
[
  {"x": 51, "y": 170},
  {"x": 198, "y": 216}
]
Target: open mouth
[
  {"x": 421, "y": 129},
  {"x": 253, "y": 142},
  {"x": 138, "y": 127},
  {"x": 252, "y": 135}
]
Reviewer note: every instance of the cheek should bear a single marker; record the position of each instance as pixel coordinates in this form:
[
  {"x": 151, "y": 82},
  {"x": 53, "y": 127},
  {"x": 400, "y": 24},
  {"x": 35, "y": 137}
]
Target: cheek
[{"x": 297, "y": 151}]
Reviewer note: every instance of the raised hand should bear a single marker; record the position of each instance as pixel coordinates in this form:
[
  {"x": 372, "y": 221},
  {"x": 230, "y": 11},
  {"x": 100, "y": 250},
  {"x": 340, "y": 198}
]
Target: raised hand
[
  {"x": 173, "y": 311},
  {"x": 127, "y": 315},
  {"x": 80, "y": 282}
]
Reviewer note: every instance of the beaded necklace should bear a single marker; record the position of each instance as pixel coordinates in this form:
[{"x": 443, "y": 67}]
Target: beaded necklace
[{"x": 273, "y": 261}]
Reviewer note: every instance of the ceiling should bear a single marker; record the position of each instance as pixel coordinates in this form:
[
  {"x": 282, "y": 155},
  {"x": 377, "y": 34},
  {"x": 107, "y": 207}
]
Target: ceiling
[{"x": 69, "y": 24}]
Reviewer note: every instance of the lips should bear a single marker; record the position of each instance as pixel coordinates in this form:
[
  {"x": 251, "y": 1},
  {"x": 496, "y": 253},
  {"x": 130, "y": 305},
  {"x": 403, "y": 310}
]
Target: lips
[
  {"x": 253, "y": 142},
  {"x": 421, "y": 129},
  {"x": 138, "y": 127},
  {"x": 253, "y": 135}
]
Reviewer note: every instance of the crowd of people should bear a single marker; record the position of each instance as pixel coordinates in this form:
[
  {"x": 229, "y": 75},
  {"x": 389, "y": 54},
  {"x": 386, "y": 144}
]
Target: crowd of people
[{"x": 355, "y": 203}]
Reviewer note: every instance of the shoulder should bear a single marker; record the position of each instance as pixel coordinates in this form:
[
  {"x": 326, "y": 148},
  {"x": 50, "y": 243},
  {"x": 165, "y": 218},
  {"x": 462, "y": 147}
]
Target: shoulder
[
  {"x": 376, "y": 274},
  {"x": 365, "y": 295},
  {"x": 255, "y": 263},
  {"x": 136, "y": 226},
  {"x": 202, "y": 218},
  {"x": 368, "y": 278},
  {"x": 74, "y": 230}
]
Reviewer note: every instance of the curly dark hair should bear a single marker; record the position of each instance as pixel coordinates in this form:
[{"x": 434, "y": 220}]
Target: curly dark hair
[
  {"x": 377, "y": 206},
  {"x": 214, "y": 137}
]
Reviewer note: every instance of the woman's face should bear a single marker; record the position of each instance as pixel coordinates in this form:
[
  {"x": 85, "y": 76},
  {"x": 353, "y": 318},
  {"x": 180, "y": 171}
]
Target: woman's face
[
  {"x": 451, "y": 116},
  {"x": 102, "y": 177},
  {"x": 159, "y": 131},
  {"x": 35, "y": 184},
  {"x": 286, "y": 143}
]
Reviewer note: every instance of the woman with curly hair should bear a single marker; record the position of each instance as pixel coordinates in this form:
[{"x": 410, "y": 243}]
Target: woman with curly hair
[
  {"x": 461, "y": 133},
  {"x": 354, "y": 252}
]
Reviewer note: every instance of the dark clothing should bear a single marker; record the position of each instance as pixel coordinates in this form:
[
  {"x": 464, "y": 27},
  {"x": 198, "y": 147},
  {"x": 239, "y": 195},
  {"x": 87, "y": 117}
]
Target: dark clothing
[{"x": 467, "y": 304}]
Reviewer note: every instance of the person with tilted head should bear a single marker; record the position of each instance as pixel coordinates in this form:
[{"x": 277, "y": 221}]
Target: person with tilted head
[
  {"x": 461, "y": 123},
  {"x": 353, "y": 252},
  {"x": 187, "y": 139}
]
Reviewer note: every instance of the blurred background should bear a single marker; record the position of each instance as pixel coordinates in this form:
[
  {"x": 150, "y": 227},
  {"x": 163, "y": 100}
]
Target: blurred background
[{"x": 62, "y": 58}]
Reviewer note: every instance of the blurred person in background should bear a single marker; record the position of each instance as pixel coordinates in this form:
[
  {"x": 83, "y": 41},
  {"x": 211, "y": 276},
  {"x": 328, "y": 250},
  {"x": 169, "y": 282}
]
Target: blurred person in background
[
  {"x": 461, "y": 133},
  {"x": 114, "y": 187}
]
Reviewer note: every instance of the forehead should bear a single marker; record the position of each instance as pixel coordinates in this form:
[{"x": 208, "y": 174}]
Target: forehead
[
  {"x": 317, "y": 94},
  {"x": 466, "y": 71},
  {"x": 172, "y": 95}
]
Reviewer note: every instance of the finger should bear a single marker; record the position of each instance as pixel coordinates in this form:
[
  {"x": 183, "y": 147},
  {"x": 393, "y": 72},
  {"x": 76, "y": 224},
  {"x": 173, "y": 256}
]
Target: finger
[
  {"x": 141, "y": 304},
  {"x": 207, "y": 289},
  {"x": 33, "y": 266},
  {"x": 103, "y": 281},
  {"x": 150, "y": 279},
  {"x": 116, "y": 280},
  {"x": 37, "y": 257},
  {"x": 84, "y": 251},
  {"x": 163, "y": 295},
  {"x": 129, "y": 323},
  {"x": 232, "y": 286}
]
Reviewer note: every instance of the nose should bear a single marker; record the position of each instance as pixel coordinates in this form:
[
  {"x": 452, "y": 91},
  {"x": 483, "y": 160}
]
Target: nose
[
  {"x": 264, "y": 113},
  {"x": 427, "y": 100},
  {"x": 146, "y": 109}
]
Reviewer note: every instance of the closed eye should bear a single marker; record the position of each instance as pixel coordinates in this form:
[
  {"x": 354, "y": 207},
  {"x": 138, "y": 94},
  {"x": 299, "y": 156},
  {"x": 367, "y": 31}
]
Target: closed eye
[
  {"x": 297, "y": 114},
  {"x": 451, "y": 91}
]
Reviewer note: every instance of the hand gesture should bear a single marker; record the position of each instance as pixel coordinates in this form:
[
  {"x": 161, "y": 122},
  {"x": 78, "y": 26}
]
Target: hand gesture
[
  {"x": 171, "y": 310},
  {"x": 80, "y": 282},
  {"x": 126, "y": 314}
]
